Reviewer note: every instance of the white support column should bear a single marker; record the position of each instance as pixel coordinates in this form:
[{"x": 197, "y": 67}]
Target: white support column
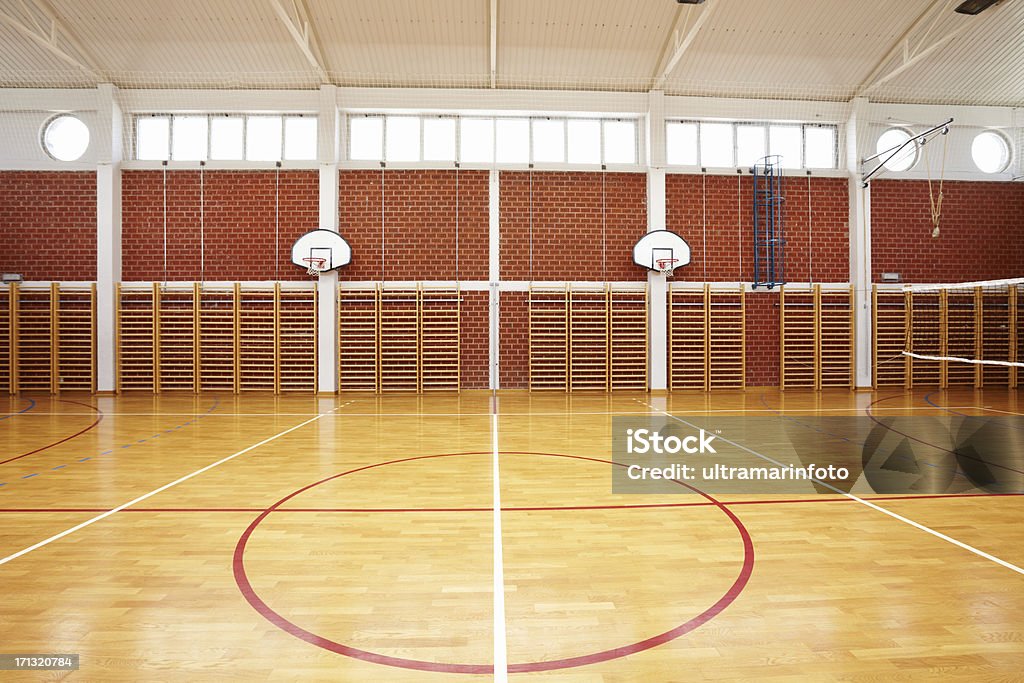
[
  {"x": 657, "y": 341},
  {"x": 327, "y": 284},
  {"x": 657, "y": 344},
  {"x": 860, "y": 245},
  {"x": 108, "y": 233},
  {"x": 494, "y": 278}
]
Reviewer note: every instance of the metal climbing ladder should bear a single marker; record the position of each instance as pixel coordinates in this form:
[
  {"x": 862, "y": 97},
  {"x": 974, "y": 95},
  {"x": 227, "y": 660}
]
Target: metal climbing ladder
[{"x": 769, "y": 241}]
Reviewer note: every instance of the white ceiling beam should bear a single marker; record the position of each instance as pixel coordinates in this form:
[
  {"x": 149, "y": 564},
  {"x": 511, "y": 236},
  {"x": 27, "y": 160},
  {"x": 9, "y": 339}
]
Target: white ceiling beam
[
  {"x": 681, "y": 46},
  {"x": 38, "y": 22},
  {"x": 303, "y": 33},
  {"x": 902, "y": 47},
  {"x": 494, "y": 43}
]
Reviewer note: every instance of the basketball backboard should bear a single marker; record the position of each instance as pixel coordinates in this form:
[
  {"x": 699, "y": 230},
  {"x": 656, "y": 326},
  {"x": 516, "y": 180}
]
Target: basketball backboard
[
  {"x": 324, "y": 247},
  {"x": 662, "y": 251}
]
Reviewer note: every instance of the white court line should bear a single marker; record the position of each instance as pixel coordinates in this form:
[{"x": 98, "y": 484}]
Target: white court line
[
  {"x": 922, "y": 527},
  {"x": 500, "y": 636},
  {"x": 152, "y": 493}
]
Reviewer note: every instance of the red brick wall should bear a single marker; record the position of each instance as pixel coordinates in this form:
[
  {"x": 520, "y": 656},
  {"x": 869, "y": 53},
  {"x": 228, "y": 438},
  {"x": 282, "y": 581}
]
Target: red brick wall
[
  {"x": 762, "y": 344},
  {"x": 584, "y": 225},
  {"x": 980, "y": 234},
  {"x": 427, "y": 212},
  {"x": 821, "y": 253},
  {"x": 48, "y": 224},
  {"x": 239, "y": 214},
  {"x": 474, "y": 336}
]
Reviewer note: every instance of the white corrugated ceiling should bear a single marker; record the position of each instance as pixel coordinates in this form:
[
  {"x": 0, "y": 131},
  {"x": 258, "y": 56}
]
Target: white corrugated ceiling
[{"x": 805, "y": 49}]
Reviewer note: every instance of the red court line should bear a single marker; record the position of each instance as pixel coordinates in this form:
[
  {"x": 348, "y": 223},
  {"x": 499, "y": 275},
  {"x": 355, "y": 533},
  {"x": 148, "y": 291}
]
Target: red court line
[
  {"x": 67, "y": 438},
  {"x": 552, "y": 508},
  {"x": 267, "y": 612}
]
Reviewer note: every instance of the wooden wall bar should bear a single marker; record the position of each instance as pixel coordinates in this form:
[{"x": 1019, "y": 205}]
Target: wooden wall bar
[
  {"x": 817, "y": 338},
  {"x": 401, "y": 339},
  {"x": 588, "y": 338},
  {"x": 707, "y": 328},
  {"x": 216, "y": 338},
  {"x": 48, "y": 335},
  {"x": 970, "y": 323}
]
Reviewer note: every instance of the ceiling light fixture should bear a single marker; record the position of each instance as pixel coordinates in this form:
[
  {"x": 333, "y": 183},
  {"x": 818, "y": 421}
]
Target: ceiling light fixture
[
  {"x": 973, "y": 7},
  {"x": 690, "y": 2}
]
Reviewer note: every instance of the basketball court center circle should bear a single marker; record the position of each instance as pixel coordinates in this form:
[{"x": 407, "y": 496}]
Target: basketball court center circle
[{"x": 271, "y": 615}]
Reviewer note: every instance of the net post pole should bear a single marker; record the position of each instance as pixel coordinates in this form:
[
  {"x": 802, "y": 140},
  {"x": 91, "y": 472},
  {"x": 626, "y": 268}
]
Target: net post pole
[
  {"x": 979, "y": 331},
  {"x": 943, "y": 338},
  {"x": 908, "y": 325},
  {"x": 1011, "y": 321}
]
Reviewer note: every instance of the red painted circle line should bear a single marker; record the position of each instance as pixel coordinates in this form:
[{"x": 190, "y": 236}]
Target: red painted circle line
[
  {"x": 244, "y": 585},
  {"x": 99, "y": 418}
]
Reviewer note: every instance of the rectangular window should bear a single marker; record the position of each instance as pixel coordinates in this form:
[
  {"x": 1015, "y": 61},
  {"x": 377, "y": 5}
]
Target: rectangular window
[
  {"x": 227, "y": 137},
  {"x": 716, "y": 144},
  {"x": 620, "y": 142},
  {"x": 439, "y": 139},
  {"x": 513, "y": 141},
  {"x": 751, "y": 145},
  {"x": 785, "y": 141},
  {"x": 189, "y": 138},
  {"x": 366, "y": 138},
  {"x": 476, "y": 140},
  {"x": 263, "y": 138},
  {"x": 548, "y": 140},
  {"x": 681, "y": 143},
  {"x": 402, "y": 138},
  {"x": 820, "y": 147},
  {"x": 584, "y": 141},
  {"x": 300, "y": 138},
  {"x": 152, "y": 138}
]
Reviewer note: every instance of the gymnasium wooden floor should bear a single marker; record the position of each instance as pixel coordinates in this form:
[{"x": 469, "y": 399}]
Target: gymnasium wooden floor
[{"x": 253, "y": 537}]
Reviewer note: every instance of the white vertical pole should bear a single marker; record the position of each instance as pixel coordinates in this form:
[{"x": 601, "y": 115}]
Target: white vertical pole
[
  {"x": 657, "y": 343},
  {"x": 108, "y": 233},
  {"x": 494, "y": 278},
  {"x": 658, "y": 286},
  {"x": 327, "y": 284},
  {"x": 860, "y": 245}
]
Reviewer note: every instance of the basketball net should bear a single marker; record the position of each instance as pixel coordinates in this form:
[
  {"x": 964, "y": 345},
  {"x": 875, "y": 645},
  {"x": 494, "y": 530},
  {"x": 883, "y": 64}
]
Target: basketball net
[
  {"x": 315, "y": 265},
  {"x": 666, "y": 265}
]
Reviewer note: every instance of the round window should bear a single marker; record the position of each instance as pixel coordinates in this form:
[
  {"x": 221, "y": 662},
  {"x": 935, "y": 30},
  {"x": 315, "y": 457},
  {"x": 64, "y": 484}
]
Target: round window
[
  {"x": 991, "y": 152},
  {"x": 889, "y": 141},
  {"x": 65, "y": 137}
]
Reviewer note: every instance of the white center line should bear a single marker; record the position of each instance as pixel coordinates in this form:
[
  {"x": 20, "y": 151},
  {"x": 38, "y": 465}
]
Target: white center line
[
  {"x": 123, "y": 506},
  {"x": 916, "y": 525},
  {"x": 500, "y": 639}
]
